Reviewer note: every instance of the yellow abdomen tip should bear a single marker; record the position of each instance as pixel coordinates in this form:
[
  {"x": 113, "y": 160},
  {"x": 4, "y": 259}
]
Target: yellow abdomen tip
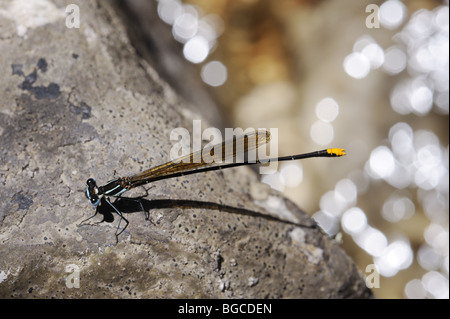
[{"x": 336, "y": 151}]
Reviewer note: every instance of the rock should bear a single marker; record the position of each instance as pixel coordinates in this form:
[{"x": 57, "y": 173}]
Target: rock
[{"x": 79, "y": 103}]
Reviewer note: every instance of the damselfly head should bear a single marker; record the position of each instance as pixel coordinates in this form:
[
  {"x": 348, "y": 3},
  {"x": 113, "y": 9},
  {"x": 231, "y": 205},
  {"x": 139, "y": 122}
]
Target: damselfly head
[{"x": 92, "y": 192}]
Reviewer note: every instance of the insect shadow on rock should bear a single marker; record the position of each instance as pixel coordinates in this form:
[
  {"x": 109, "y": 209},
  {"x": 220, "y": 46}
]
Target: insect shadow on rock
[{"x": 130, "y": 205}]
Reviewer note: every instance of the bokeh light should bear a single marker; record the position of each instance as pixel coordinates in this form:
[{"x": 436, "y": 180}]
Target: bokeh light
[
  {"x": 395, "y": 257},
  {"x": 291, "y": 174},
  {"x": 214, "y": 73},
  {"x": 185, "y": 25},
  {"x": 196, "y": 49},
  {"x": 398, "y": 208},
  {"x": 169, "y": 10},
  {"x": 357, "y": 65},
  {"x": 327, "y": 109},
  {"x": 322, "y": 132},
  {"x": 375, "y": 54},
  {"x": 381, "y": 163},
  {"x": 354, "y": 221},
  {"x": 392, "y": 14}
]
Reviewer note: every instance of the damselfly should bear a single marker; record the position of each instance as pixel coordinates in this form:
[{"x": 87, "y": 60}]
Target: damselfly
[{"x": 220, "y": 156}]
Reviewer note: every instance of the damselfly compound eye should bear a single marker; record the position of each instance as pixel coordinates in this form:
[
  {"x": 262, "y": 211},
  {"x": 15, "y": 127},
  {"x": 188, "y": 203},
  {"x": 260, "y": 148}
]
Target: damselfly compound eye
[{"x": 94, "y": 200}]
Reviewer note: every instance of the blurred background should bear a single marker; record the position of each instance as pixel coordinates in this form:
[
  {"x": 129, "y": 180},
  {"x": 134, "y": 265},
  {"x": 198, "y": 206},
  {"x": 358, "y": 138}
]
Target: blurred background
[{"x": 368, "y": 76}]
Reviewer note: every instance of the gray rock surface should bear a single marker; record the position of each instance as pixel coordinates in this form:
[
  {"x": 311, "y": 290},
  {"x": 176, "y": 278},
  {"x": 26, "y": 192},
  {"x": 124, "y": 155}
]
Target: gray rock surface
[{"x": 79, "y": 103}]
